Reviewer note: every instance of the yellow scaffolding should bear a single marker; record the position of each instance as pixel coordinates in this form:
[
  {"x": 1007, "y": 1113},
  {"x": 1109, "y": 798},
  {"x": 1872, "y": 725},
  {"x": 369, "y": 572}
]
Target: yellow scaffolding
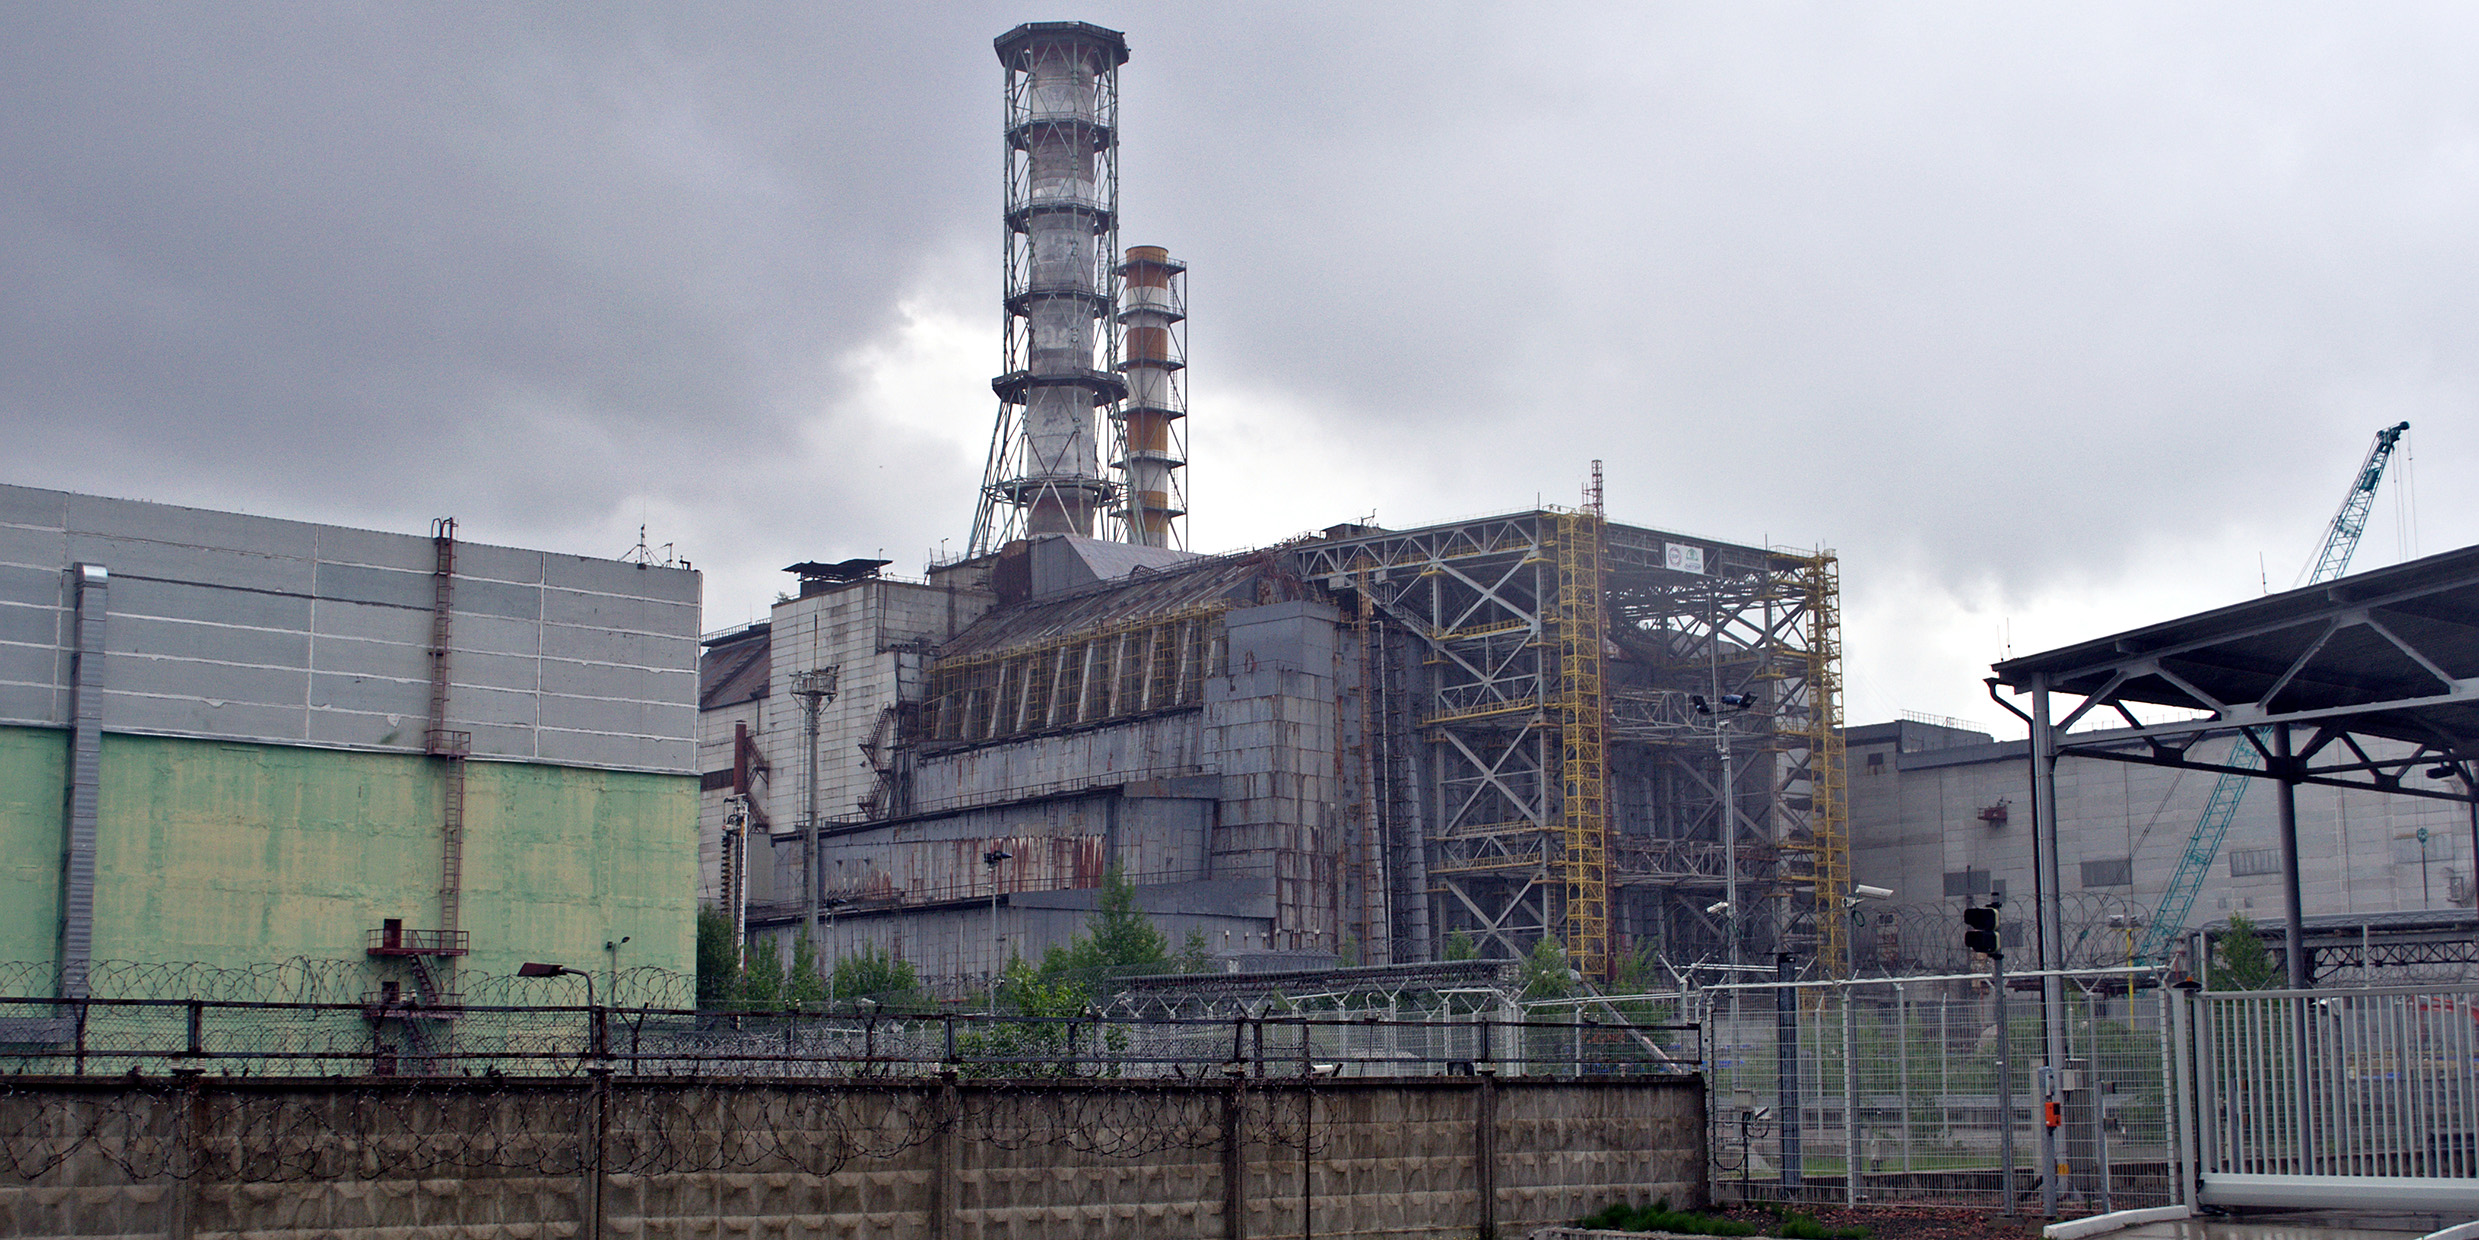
[
  {"x": 1581, "y": 704},
  {"x": 1829, "y": 812}
]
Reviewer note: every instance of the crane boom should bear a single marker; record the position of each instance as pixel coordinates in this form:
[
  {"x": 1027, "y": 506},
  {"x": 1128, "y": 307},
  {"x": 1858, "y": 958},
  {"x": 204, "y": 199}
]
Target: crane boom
[
  {"x": 2332, "y": 559},
  {"x": 2341, "y": 537}
]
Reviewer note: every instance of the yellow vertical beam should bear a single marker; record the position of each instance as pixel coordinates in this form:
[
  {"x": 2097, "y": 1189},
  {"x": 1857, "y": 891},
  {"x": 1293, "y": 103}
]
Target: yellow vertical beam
[{"x": 1582, "y": 711}]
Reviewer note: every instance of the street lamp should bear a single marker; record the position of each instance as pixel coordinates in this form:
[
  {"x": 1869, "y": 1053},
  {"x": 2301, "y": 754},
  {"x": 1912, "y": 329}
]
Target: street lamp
[
  {"x": 593, "y": 1024},
  {"x": 991, "y": 859}
]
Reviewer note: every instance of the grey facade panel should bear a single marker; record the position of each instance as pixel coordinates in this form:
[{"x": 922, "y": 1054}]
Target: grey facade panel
[
  {"x": 469, "y": 706},
  {"x": 147, "y": 635},
  {"x": 629, "y": 615},
  {"x": 238, "y": 570},
  {"x": 40, "y": 665},
  {"x": 355, "y": 583},
  {"x": 484, "y": 562},
  {"x": 354, "y": 656},
  {"x": 191, "y": 527},
  {"x": 496, "y": 598},
  {"x": 41, "y": 587},
  {"x": 370, "y": 621},
  {"x": 32, "y": 704},
  {"x": 362, "y": 730},
  {"x": 173, "y": 600},
  {"x": 29, "y": 506},
  {"x": 618, "y": 577},
  {"x": 210, "y": 682},
  {"x": 261, "y": 630},
  {"x": 39, "y": 626},
  {"x": 614, "y": 716},
  {"x": 127, "y": 712},
  {"x": 491, "y": 635},
  {"x": 606, "y": 680},
  {"x": 41, "y": 548},
  {"x": 491, "y": 671},
  {"x": 604, "y": 749},
  {"x": 374, "y": 695},
  {"x": 560, "y": 641},
  {"x": 338, "y": 545}
]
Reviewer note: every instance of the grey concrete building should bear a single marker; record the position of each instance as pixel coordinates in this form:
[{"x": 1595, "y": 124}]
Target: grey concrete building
[{"x": 1941, "y": 815}]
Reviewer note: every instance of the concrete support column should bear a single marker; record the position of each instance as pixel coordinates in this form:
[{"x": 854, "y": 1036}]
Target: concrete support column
[
  {"x": 597, "y": 1139},
  {"x": 1234, "y": 1163},
  {"x": 1485, "y": 1152},
  {"x": 943, "y": 1156}
]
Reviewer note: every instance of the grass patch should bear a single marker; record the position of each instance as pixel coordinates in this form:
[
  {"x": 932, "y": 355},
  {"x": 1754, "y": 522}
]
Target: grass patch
[
  {"x": 1619, "y": 1216},
  {"x": 1788, "y": 1224},
  {"x": 1798, "y": 1226}
]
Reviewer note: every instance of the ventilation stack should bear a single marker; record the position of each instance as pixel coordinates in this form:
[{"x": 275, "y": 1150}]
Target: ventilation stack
[
  {"x": 1062, "y": 216},
  {"x": 1153, "y": 331}
]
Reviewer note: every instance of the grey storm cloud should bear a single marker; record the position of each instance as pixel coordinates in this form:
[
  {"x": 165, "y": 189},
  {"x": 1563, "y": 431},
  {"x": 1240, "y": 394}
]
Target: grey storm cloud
[{"x": 1998, "y": 301}]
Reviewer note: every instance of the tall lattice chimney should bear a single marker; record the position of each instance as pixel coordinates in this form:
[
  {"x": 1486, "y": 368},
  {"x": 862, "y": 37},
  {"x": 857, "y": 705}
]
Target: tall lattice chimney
[{"x": 1060, "y": 361}]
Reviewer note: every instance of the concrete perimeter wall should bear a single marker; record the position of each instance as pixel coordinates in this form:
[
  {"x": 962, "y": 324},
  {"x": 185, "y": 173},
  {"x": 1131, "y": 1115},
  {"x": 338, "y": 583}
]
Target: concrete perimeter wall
[{"x": 1059, "y": 1160}]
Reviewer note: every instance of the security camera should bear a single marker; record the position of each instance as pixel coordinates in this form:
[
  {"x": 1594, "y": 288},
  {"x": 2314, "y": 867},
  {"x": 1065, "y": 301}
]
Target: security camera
[
  {"x": 1324, "y": 1069},
  {"x": 1866, "y": 892},
  {"x": 1717, "y": 908}
]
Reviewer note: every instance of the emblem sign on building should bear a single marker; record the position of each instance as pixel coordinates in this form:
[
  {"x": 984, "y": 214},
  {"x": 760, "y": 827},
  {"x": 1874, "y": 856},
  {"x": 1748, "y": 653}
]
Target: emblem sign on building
[{"x": 1684, "y": 559}]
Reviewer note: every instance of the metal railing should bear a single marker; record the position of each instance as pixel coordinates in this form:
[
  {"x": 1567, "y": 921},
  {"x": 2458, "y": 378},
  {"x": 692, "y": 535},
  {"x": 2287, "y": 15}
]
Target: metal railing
[{"x": 109, "y": 1037}]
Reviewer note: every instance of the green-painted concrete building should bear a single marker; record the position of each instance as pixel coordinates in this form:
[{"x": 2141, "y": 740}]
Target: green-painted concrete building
[{"x": 357, "y": 763}]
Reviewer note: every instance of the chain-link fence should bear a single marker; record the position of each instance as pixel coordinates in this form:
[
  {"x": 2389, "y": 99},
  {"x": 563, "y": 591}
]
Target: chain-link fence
[{"x": 1926, "y": 1090}]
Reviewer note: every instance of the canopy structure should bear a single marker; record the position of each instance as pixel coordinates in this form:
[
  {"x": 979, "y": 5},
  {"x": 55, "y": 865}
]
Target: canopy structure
[
  {"x": 2378, "y": 673},
  {"x": 2367, "y": 681}
]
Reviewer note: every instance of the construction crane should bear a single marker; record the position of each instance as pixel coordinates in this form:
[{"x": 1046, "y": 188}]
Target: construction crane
[{"x": 2340, "y": 540}]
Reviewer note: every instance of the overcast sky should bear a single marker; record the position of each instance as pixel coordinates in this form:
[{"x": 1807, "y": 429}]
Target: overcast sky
[{"x": 2051, "y": 320}]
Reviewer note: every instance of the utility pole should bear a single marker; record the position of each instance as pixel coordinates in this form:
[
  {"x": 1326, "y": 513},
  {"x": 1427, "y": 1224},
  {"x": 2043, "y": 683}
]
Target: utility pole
[{"x": 815, "y": 689}]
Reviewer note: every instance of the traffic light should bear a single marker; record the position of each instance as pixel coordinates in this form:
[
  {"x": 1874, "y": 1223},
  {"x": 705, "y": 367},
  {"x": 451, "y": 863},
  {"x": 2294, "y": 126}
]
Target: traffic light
[{"x": 1980, "y": 931}]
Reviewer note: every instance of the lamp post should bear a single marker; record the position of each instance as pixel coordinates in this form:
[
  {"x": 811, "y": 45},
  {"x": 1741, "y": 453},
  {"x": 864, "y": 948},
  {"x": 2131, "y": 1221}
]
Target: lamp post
[
  {"x": 991, "y": 859},
  {"x": 593, "y": 1012}
]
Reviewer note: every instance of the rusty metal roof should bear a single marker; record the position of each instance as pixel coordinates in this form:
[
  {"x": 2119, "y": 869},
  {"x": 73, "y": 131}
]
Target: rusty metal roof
[
  {"x": 1227, "y": 581},
  {"x": 734, "y": 668}
]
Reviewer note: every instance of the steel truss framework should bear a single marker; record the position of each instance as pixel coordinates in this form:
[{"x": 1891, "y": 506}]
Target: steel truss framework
[{"x": 1520, "y": 838}]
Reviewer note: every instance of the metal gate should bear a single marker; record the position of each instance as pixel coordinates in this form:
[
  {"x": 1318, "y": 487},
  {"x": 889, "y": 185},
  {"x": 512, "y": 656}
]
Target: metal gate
[{"x": 2303, "y": 1098}]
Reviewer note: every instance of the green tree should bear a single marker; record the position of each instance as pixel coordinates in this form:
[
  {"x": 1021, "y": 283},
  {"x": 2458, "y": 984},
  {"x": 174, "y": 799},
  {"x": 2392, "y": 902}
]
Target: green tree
[
  {"x": 1459, "y": 947},
  {"x": 873, "y": 972},
  {"x": 2241, "y": 961},
  {"x": 718, "y": 959},
  {"x": 1119, "y": 941},
  {"x": 761, "y": 979},
  {"x": 805, "y": 984},
  {"x": 1546, "y": 973},
  {"x": 1194, "y": 956}
]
